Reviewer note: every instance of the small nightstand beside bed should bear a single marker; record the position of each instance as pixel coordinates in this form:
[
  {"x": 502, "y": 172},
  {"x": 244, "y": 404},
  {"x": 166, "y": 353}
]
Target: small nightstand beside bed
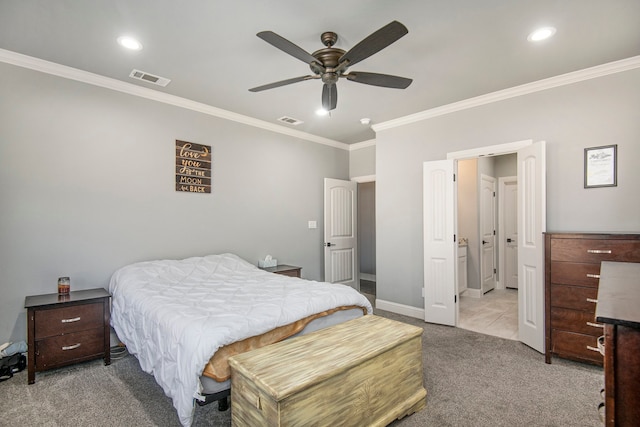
[{"x": 183, "y": 319}]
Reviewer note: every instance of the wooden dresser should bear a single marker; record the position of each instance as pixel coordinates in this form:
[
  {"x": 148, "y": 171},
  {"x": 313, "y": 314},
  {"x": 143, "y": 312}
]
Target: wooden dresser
[
  {"x": 619, "y": 309},
  {"x": 572, "y": 270},
  {"x": 66, "y": 329}
]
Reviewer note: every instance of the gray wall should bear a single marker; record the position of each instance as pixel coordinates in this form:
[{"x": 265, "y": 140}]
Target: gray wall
[
  {"x": 362, "y": 162},
  {"x": 87, "y": 186},
  {"x": 570, "y": 118}
]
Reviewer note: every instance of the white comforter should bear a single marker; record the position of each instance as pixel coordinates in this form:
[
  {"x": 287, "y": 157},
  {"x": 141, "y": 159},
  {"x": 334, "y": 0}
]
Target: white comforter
[{"x": 174, "y": 314}]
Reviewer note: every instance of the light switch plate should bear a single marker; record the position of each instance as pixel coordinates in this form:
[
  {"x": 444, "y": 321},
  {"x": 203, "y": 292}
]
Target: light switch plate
[{"x": 313, "y": 224}]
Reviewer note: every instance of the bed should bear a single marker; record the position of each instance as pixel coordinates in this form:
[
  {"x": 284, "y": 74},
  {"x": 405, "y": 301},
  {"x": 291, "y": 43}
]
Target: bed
[{"x": 178, "y": 316}]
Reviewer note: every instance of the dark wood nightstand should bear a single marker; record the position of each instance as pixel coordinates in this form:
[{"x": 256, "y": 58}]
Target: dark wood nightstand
[
  {"x": 285, "y": 270},
  {"x": 67, "y": 329}
]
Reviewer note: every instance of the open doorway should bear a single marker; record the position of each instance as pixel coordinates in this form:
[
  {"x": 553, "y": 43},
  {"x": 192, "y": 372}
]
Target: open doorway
[
  {"x": 486, "y": 216},
  {"x": 441, "y": 246},
  {"x": 367, "y": 238}
]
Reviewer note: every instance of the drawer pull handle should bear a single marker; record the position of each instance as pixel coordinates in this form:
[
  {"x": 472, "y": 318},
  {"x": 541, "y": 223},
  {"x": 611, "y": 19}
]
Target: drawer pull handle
[
  {"x": 593, "y": 276},
  {"x": 71, "y": 347},
  {"x": 74, "y": 319},
  {"x": 593, "y": 348},
  {"x": 599, "y": 251},
  {"x": 595, "y": 325},
  {"x": 595, "y": 301}
]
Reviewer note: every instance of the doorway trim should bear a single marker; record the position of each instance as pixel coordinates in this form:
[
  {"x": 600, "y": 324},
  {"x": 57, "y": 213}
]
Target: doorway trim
[{"x": 491, "y": 150}]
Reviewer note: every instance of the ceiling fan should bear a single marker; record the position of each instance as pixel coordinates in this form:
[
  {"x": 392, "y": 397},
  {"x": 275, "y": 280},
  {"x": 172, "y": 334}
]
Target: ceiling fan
[{"x": 330, "y": 63}]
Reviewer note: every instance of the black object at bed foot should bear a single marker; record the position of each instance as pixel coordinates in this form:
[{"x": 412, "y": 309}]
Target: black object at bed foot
[
  {"x": 221, "y": 397},
  {"x": 223, "y": 404}
]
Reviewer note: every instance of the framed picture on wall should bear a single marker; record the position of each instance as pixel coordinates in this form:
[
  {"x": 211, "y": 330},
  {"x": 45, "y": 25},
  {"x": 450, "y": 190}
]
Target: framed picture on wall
[{"x": 601, "y": 166}]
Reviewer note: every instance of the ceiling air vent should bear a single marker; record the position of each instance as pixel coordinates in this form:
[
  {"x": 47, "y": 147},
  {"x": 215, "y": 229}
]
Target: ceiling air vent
[
  {"x": 156, "y": 80},
  {"x": 290, "y": 120}
]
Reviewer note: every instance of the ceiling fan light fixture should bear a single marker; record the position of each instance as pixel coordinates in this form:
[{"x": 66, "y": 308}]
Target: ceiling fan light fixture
[
  {"x": 129, "y": 43},
  {"x": 541, "y": 34}
]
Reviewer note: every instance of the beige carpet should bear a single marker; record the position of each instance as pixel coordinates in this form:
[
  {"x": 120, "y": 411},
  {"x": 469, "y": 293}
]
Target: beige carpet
[{"x": 471, "y": 380}]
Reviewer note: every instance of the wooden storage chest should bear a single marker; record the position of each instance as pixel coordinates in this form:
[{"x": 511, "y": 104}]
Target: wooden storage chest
[
  {"x": 572, "y": 270},
  {"x": 364, "y": 372}
]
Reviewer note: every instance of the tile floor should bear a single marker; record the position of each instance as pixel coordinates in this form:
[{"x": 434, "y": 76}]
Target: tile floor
[{"x": 496, "y": 313}]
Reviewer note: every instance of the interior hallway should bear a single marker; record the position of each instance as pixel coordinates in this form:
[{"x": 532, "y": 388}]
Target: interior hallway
[{"x": 496, "y": 313}]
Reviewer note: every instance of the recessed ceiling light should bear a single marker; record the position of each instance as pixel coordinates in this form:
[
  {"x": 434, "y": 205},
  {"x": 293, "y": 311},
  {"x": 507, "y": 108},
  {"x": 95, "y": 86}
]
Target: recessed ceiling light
[
  {"x": 541, "y": 34},
  {"x": 365, "y": 121},
  {"x": 129, "y": 43},
  {"x": 321, "y": 112}
]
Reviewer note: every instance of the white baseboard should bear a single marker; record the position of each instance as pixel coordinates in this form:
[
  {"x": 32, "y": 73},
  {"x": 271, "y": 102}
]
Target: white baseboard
[
  {"x": 367, "y": 276},
  {"x": 475, "y": 293},
  {"x": 405, "y": 310}
]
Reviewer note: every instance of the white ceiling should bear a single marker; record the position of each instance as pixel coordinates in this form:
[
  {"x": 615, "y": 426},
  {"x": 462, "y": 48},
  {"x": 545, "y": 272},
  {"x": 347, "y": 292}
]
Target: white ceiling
[{"x": 455, "y": 49}]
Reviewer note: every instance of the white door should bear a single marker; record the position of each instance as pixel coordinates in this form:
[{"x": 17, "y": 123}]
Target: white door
[
  {"x": 531, "y": 225},
  {"x": 340, "y": 232},
  {"x": 440, "y": 258},
  {"x": 509, "y": 234},
  {"x": 487, "y": 232}
]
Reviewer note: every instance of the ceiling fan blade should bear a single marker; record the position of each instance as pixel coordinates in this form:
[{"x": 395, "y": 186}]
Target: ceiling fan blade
[
  {"x": 376, "y": 79},
  {"x": 282, "y": 83},
  {"x": 286, "y": 46},
  {"x": 374, "y": 42},
  {"x": 329, "y": 96}
]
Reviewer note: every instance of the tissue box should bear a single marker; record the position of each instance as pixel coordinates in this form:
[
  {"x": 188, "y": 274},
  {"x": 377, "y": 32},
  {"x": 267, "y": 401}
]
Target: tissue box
[{"x": 264, "y": 263}]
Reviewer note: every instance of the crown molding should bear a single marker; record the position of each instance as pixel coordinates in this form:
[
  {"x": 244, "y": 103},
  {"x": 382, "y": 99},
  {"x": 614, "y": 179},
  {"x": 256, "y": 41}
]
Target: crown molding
[
  {"x": 71, "y": 73},
  {"x": 525, "y": 89},
  {"x": 363, "y": 178},
  {"x": 363, "y": 144}
]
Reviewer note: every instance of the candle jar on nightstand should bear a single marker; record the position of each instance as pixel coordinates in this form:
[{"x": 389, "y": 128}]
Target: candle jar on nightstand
[{"x": 64, "y": 286}]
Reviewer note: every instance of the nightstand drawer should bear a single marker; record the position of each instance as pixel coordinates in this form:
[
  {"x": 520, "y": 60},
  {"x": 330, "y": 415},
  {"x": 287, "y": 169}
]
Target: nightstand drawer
[
  {"x": 284, "y": 270},
  {"x": 65, "y": 320},
  {"x": 290, "y": 273},
  {"x": 69, "y": 348}
]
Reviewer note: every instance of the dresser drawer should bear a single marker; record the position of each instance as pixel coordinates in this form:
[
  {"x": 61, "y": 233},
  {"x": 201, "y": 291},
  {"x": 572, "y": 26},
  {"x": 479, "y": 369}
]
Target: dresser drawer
[
  {"x": 576, "y": 346},
  {"x": 573, "y": 273},
  {"x": 583, "y": 322},
  {"x": 69, "y": 348},
  {"x": 574, "y": 297},
  {"x": 64, "y": 320},
  {"x": 594, "y": 250}
]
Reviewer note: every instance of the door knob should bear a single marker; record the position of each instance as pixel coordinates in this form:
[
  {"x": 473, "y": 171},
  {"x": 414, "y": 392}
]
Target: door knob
[
  {"x": 509, "y": 240},
  {"x": 327, "y": 244},
  {"x": 484, "y": 242}
]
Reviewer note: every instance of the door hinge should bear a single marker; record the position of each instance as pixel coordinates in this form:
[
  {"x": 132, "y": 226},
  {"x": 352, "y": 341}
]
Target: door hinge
[
  {"x": 494, "y": 232},
  {"x": 455, "y": 299},
  {"x": 454, "y": 177},
  {"x": 494, "y": 271},
  {"x": 494, "y": 194},
  {"x": 454, "y": 238}
]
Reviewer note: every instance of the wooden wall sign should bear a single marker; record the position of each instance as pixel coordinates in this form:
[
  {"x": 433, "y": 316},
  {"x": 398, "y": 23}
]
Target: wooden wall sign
[{"x": 193, "y": 167}]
